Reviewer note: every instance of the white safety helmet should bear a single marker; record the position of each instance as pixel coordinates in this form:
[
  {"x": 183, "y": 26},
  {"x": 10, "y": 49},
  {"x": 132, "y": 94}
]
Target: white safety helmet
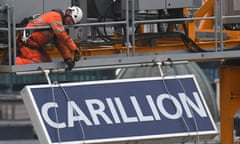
[{"x": 76, "y": 13}]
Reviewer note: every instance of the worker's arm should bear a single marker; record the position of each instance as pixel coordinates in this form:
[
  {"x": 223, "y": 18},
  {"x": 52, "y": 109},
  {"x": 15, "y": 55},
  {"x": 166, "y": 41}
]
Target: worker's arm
[
  {"x": 58, "y": 28},
  {"x": 65, "y": 43},
  {"x": 66, "y": 54},
  {"x": 64, "y": 51}
]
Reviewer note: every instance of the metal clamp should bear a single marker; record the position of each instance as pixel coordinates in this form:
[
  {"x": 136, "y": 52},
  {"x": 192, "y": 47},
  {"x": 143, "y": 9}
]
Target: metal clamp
[{"x": 169, "y": 62}]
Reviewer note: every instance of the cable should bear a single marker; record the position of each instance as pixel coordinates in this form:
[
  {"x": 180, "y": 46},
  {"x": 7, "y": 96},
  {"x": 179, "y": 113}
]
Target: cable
[
  {"x": 184, "y": 91},
  {"x": 195, "y": 122},
  {"x": 56, "y": 115},
  {"x": 46, "y": 72},
  {"x": 69, "y": 99},
  {"x": 194, "y": 118},
  {"x": 166, "y": 88}
]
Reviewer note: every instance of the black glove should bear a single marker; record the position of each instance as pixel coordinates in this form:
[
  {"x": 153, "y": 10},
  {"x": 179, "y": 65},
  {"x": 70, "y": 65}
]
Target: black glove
[
  {"x": 77, "y": 55},
  {"x": 70, "y": 64}
]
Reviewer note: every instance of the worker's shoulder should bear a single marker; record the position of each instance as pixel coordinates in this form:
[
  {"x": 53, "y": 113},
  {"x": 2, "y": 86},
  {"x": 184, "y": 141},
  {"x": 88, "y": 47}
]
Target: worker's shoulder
[
  {"x": 53, "y": 13},
  {"x": 51, "y": 16},
  {"x": 57, "y": 12}
]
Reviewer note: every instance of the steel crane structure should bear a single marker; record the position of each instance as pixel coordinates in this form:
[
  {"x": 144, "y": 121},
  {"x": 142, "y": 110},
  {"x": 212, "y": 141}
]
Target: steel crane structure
[{"x": 131, "y": 33}]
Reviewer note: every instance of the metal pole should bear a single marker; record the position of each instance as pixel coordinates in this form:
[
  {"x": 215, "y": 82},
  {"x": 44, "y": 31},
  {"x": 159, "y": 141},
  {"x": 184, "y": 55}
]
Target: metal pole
[
  {"x": 215, "y": 25},
  {"x": 83, "y": 5},
  {"x": 14, "y": 35},
  {"x": 133, "y": 27},
  {"x": 127, "y": 27},
  {"x": 9, "y": 34},
  {"x": 221, "y": 25}
]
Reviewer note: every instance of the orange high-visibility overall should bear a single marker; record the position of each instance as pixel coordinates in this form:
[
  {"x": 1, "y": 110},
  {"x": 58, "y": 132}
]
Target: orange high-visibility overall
[{"x": 33, "y": 51}]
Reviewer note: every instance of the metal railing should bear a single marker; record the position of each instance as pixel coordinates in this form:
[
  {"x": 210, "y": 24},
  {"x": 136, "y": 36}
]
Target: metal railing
[{"x": 130, "y": 38}]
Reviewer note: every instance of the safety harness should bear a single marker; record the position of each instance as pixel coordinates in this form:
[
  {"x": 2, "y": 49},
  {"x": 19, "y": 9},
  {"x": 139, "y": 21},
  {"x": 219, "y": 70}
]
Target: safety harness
[{"x": 23, "y": 37}]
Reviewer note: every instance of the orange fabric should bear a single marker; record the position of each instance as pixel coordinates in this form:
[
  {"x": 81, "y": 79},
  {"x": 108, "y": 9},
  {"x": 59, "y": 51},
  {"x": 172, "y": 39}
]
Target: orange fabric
[
  {"x": 35, "y": 56},
  {"x": 21, "y": 60},
  {"x": 39, "y": 39}
]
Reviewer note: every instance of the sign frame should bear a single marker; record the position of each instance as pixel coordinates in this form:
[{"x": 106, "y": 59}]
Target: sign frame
[{"x": 42, "y": 133}]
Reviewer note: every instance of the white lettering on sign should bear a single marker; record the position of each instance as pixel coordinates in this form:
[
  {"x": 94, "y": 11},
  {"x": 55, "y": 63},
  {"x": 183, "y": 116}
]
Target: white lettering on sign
[
  {"x": 97, "y": 112},
  {"x": 112, "y": 110},
  {"x": 76, "y": 114},
  {"x": 175, "y": 102},
  {"x": 46, "y": 117}
]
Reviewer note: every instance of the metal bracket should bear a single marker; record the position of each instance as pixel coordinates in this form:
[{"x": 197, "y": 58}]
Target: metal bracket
[
  {"x": 46, "y": 72},
  {"x": 169, "y": 62},
  {"x": 160, "y": 68}
]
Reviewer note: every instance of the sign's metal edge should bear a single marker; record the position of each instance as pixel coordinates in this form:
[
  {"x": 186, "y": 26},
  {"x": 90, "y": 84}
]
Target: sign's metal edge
[
  {"x": 34, "y": 115},
  {"x": 147, "y": 138},
  {"x": 28, "y": 99},
  {"x": 111, "y": 81}
]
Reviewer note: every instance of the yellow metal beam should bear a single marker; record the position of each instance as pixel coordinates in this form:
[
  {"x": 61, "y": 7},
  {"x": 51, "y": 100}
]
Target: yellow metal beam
[
  {"x": 163, "y": 45},
  {"x": 208, "y": 9},
  {"x": 204, "y": 9},
  {"x": 229, "y": 101}
]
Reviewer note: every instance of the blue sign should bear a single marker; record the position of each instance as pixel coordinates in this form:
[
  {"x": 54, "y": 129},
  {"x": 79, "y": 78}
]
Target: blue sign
[{"x": 118, "y": 110}]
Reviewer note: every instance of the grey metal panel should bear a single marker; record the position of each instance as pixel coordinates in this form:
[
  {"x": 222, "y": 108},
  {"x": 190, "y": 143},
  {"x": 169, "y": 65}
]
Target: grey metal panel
[
  {"x": 26, "y": 8},
  {"x": 151, "y": 4},
  {"x": 230, "y": 8},
  {"x": 103, "y": 6},
  {"x": 161, "y": 4},
  {"x": 179, "y": 3},
  {"x": 197, "y": 3},
  {"x": 3, "y": 16},
  {"x": 3, "y": 2},
  {"x": 51, "y": 4},
  {"x": 236, "y": 5}
]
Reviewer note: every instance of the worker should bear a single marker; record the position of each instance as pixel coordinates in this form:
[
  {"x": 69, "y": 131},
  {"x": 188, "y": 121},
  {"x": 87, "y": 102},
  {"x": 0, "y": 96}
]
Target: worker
[{"x": 32, "y": 43}]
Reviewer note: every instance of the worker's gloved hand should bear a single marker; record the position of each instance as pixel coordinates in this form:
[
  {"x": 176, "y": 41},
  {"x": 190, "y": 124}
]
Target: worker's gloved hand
[
  {"x": 77, "y": 55},
  {"x": 71, "y": 63}
]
